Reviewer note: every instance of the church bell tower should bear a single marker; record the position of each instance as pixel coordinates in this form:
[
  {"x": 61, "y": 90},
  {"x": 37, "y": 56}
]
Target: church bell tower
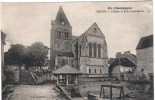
[{"x": 60, "y": 37}]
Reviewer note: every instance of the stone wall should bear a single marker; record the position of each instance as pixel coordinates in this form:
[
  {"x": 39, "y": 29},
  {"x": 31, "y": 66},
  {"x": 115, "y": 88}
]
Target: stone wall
[
  {"x": 92, "y": 64},
  {"x": 145, "y": 60}
]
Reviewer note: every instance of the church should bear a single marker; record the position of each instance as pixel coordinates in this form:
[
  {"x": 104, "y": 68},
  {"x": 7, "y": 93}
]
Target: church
[{"x": 86, "y": 53}]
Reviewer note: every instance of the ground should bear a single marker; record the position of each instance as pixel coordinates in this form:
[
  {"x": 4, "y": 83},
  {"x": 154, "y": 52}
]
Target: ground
[{"x": 36, "y": 92}]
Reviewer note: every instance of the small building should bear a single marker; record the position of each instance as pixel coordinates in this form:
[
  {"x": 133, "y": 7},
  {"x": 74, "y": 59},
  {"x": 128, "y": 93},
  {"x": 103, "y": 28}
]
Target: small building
[
  {"x": 144, "y": 52},
  {"x": 67, "y": 75},
  {"x": 122, "y": 68}
]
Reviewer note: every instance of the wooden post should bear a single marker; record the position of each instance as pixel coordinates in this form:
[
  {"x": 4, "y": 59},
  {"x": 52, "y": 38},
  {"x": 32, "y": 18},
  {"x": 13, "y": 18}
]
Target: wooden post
[
  {"x": 66, "y": 79},
  {"x": 123, "y": 92},
  {"x": 111, "y": 92},
  {"x": 120, "y": 93},
  {"x": 76, "y": 81},
  {"x": 101, "y": 92},
  {"x": 57, "y": 79}
]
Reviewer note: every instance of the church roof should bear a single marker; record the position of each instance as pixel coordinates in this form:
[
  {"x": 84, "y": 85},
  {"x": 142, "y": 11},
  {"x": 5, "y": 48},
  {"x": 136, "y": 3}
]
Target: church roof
[
  {"x": 61, "y": 17},
  {"x": 67, "y": 69},
  {"x": 74, "y": 37},
  {"x": 145, "y": 42},
  {"x": 94, "y": 25}
]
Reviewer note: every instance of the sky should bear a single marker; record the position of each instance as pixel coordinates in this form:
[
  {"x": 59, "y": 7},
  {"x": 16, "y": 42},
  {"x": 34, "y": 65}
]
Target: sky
[{"x": 26, "y": 23}]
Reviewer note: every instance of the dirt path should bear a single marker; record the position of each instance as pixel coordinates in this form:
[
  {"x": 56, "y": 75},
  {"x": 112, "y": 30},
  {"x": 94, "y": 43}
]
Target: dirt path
[{"x": 38, "y": 92}]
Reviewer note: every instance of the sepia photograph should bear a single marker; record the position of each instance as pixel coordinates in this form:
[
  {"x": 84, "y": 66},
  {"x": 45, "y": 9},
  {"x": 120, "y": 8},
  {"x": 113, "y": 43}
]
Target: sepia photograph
[{"x": 77, "y": 50}]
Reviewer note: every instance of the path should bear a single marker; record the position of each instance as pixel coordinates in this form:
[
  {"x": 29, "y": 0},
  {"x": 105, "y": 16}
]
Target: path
[{"x": 38, "y": 92}]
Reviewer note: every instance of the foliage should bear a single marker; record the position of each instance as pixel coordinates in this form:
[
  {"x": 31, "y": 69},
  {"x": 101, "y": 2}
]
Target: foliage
[
  {"x": 34, "y": 55},
  {"x": 15, "y": 54}
]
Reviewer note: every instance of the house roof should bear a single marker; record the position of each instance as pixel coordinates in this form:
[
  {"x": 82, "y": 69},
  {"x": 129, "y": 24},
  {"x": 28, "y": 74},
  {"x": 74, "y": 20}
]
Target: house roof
[
  {"x": 122, "y": 61},
  {"x": 145, "y": 42},
  {"x": 66, "y": 69},
  {"x": 67, "y": 54}
]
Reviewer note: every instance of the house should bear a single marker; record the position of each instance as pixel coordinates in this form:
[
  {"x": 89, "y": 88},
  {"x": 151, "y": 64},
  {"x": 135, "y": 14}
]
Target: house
[
  {"x": 122, "y": 66},
  {"x": 144, "y": 51},
  {"x": 87, "y": 52}
]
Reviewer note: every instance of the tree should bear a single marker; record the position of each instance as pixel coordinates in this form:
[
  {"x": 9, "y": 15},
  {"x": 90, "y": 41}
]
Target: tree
[
  {"x": 15, "y": 54},
  {"x": 36, "y": 54}
]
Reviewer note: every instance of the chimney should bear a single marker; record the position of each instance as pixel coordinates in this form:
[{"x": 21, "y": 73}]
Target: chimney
[{"x": 118, "y": 55}]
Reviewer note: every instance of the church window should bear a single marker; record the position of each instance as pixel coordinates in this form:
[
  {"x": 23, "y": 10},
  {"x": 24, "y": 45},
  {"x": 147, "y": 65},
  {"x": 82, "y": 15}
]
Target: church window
[
  {"x": 99, "y": 50},
  {"x": 89, "y": 70},
  {"x": 66, "y": 34},
  {"x": 100, "y": 70},
  {"x": 58, "y": 32},
  {"x": 75, "y": 47},
  {"x": 80, "y": 50},
  {"x": 95, "y": 70},
  {"x": 90, "y": 50},
  {"x": 95, "y": 51}
]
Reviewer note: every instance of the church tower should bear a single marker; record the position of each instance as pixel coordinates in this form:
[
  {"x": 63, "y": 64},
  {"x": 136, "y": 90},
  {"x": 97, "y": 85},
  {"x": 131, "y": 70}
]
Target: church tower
[{"x": 60, "y": 41}]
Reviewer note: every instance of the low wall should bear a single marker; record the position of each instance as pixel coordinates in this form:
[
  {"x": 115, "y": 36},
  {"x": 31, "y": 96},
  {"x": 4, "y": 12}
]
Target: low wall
[{"x": 93, "y": 78}]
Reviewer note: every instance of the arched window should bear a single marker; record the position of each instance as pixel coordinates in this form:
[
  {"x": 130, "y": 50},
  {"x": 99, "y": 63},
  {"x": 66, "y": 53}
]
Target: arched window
[
  {"x": 95, "y": 70},
  {"x": 100, "y": 70},
  {"x": 66, "y": 34},
  {"x": 89, "y": 70},
  {"x": 95, "y": 49},
  {"x": 99, "y": 50},
  {"x": 58, "y": 33},
  {"x": 90, "y": 50},
  {"x": 80, "y": 50}
]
